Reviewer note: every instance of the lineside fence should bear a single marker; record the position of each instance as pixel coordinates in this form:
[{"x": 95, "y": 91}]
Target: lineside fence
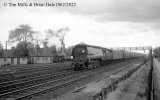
[
  {"x": 114, "y": 84},
  {"x": 151, "y": 82},
  {"x": 155, "y": 90}
]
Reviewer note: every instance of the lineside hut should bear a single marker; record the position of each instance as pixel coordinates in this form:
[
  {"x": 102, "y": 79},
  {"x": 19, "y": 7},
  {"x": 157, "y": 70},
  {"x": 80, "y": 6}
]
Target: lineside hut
[
  {"x": 23, "y": 60},
  {"x": 41, "y": 59},
  {"x": 12, "y": 61},
  {"x": 1, "y": 61}
]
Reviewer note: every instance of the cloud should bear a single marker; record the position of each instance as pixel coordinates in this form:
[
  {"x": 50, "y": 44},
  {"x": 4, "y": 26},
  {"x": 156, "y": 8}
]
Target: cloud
[
  {"x": 115, "y": 10},
  {"x": 131, "y": 10},
  {"x": 96, "y": 22},
  {"x": 106, "y": 10}
]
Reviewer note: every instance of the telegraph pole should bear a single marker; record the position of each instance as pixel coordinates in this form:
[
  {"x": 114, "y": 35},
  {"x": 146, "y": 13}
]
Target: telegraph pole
[
  {"x": 37, "y": 43},
  {"x": 6, "y": 49},
  {"x": 6, "y": 54}
]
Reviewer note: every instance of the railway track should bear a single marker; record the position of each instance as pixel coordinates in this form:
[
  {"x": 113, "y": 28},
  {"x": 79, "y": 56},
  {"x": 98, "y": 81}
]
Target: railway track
[
  {"x": 43, "y": 86},
  {"x": 30, "y": 73},
  {"x": 26, "y": 82},
  {"x": 33, "y": 68},
  {"x": 84, "y": 86}
]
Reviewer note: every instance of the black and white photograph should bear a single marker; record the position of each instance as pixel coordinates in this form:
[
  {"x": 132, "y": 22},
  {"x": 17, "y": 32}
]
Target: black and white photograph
[{"x": 79, "y": 49}]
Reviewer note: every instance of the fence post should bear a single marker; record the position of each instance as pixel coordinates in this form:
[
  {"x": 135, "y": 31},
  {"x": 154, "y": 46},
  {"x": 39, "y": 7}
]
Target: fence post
[{"x": 103, "y": 94}]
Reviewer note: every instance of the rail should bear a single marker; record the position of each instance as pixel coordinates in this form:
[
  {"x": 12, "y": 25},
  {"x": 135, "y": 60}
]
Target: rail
[{"x": 47, "y": 88}]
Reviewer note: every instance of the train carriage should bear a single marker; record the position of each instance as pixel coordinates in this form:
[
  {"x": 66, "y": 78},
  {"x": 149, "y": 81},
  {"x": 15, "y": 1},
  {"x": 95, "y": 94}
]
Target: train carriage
[
  {"x": 88, "y": 56},
  {"x": 117, "y": 54},
  {"x": 126, "y": 54}
]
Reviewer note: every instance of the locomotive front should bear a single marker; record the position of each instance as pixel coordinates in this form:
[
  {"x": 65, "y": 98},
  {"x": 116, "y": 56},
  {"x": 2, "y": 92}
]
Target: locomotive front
[{"x": 79, "y": 54}]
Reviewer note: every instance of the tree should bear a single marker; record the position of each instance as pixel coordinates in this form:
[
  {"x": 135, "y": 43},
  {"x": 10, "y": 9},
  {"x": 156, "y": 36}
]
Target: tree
[
  {"x": 1, "y": 46},
  {"x": 70, "y": 49},
  {"x": 53, "y": 50},
  {"x": 1, "y": 50},
  {"x": 46, "y": 50},
  {"x": 21, "y": 51},
  {"x": 37, "y": 49},
  {"x": 23, "y": 35},
  {"x": 60, "y": 33},
  {"x": 13, "y": 51},
  {"x": 157, "y": 52},
  {"x": 38, "y": 41}
]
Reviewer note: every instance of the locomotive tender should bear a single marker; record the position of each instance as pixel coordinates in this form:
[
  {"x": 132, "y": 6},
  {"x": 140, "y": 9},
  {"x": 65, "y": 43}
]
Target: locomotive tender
[{"x": 88, "y": 56}]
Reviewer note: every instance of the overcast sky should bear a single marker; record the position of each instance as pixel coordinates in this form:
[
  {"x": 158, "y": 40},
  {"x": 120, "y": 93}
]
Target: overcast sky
[{"x": 106, "y": 23}]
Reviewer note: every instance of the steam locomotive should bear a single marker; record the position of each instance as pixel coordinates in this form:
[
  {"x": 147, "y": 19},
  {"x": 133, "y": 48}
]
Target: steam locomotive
[{"x": 89, "y": 56}]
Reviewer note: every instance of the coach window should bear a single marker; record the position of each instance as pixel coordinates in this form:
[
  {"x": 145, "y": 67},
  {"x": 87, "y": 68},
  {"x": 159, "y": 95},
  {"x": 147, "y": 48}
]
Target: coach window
[{"x": 37, "y": 58}]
